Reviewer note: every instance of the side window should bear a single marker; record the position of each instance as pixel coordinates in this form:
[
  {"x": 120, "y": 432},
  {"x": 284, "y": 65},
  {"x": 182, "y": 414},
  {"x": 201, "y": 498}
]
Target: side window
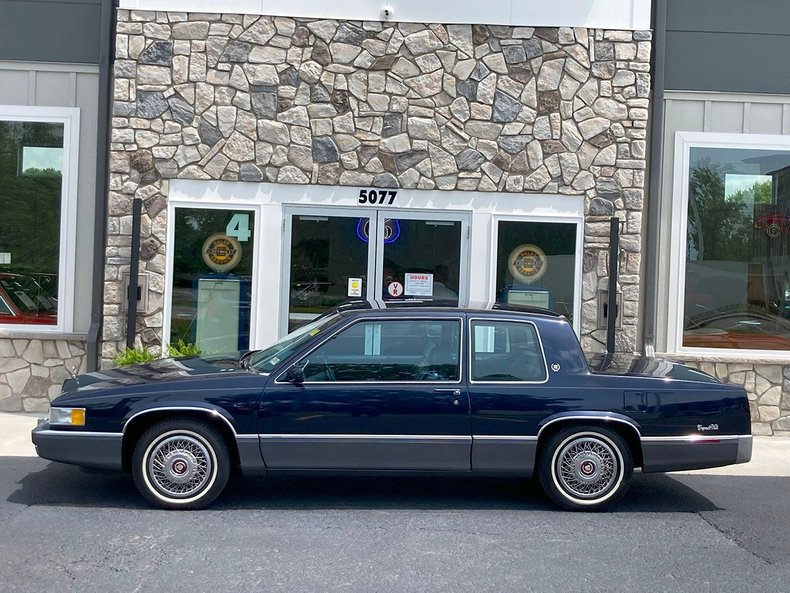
[
  {"x": 506, "y": 351},
  {"x": 388, "y": 350}
]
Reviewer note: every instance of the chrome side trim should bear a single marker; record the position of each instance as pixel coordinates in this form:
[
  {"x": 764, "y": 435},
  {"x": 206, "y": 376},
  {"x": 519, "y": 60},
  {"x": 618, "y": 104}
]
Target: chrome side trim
[
  {"x": 691, "y": 438},
  {"x": 210, "y": 411},
  {"x": 365, "y": 437},
  {"x": 77, "y": 433},
  {"x": 504, "y": 439},
  {"x": 246, "y": 437},
  {"x": 593, "y": 418}
]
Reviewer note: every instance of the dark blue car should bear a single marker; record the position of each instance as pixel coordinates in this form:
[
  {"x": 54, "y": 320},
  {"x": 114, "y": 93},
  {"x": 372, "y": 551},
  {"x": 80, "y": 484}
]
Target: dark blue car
[{"x": 418, "y": 390}]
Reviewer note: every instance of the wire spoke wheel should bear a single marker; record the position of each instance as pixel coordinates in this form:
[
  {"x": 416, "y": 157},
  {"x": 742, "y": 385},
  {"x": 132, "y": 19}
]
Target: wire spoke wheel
[
  {"x": 179, "y": 466},
  {"x": 587, "y": 467}
]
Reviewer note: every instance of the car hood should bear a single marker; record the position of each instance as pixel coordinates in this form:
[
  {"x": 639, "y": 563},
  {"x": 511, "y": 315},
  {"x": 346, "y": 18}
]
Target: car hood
[
  {"x": 640, "y": 366},
  {"x": 168, "y": 369}
]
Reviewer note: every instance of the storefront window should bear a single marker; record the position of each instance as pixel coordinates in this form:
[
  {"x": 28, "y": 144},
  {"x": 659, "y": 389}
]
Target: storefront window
[
  {"x": 536, "y": 265},
  {"x": 212, "y": 279},
  {"x": 31, "y": 188},
  {"x": 737, "y": 281}
]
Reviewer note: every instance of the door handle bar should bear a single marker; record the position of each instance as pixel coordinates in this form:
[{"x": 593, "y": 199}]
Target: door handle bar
[{"x": 453, "y": 391}]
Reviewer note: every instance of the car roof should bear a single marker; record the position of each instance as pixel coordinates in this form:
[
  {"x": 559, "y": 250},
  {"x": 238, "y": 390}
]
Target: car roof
[{"x": 430, "y": 306}]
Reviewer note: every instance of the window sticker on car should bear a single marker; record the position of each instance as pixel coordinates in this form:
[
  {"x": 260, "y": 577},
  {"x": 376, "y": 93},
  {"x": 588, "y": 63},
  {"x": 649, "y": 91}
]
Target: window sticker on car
[
  {"x": 314, "y": 332},
  {"x": 273, "y": 360}
]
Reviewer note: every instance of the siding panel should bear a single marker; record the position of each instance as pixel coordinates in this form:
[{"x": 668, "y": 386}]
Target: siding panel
[
  {"x": 50, "y": 30},
  {"x": 727, "y": 62}
]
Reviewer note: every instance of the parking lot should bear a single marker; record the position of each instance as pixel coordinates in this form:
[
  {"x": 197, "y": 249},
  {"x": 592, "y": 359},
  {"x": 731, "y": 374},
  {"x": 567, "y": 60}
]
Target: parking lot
[{"x": 67, "y": 530}]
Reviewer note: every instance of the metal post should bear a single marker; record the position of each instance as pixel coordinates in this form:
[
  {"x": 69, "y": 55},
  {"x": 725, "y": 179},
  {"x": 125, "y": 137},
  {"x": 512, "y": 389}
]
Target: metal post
[
  {"x": 131, "y": 296},
  {"x": 611, "y": 309}
]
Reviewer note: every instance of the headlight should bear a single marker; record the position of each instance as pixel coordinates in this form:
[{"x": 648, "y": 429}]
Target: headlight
[{"x": 67, "y": 416}]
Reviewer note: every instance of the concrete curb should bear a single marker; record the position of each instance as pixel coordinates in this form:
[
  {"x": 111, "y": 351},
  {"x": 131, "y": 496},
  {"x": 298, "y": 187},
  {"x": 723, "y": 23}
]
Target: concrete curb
[{"x": 771, "y": 455}]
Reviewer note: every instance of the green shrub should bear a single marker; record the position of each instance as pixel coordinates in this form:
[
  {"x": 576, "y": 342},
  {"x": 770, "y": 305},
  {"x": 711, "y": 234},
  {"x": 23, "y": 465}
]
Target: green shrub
[
  {"x": 182, "y": 348},
  {"x": 133, "y": 356}
]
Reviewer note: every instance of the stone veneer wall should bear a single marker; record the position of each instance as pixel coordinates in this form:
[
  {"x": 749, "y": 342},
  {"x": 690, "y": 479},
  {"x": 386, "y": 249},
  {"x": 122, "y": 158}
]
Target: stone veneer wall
[
  {"x": 768, "y": 386},
  {"x": 32, "y": 371},
  {"x": 458, "y": 107}
]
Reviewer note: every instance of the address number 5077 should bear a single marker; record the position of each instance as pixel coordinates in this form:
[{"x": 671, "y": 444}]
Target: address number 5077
[{"x": 371, "y": 196}]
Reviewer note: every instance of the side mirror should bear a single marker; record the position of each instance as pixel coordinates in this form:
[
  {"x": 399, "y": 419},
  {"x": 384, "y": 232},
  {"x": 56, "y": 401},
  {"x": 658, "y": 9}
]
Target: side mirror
[{"x": 295, "y": 375}]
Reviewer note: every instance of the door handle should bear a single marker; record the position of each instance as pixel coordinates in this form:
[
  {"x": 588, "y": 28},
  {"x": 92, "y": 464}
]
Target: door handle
[{"x": 452, "y": 391}]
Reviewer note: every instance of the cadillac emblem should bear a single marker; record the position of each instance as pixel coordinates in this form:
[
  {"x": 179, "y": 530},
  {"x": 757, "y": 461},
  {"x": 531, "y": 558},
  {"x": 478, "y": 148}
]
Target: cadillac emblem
[
  {"x": 527, "y": 263},
  {"x": 221, "y": 253}
]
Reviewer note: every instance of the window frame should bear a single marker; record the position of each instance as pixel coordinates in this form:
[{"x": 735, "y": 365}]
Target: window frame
[
  {"x": 67, "y": 248},
  {"x": 684, "y": 142},
  {"x": 470, "y": 362},
  {"x": 425, "y": 318}
]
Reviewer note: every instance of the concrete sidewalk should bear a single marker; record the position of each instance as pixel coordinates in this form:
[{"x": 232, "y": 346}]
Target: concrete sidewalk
[{"x": 771, "y": 455}]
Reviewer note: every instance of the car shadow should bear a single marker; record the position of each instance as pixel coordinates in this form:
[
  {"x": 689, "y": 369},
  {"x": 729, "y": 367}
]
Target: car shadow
[{"x": 57, "y": 484}]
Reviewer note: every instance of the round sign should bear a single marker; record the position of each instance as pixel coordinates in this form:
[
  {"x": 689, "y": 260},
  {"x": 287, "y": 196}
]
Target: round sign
[
  {"x": 395, "y": 289},
  {"x": 221, "y": 253},
  {"x": 527, "y": 263}
]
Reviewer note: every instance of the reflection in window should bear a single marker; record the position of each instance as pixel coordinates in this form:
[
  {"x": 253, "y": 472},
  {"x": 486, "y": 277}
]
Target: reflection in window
[
  {"x": 326, "y": 252},
  {"x": 31, "y": 166},
  {"x": 417, "y": 350},
  {"x": 737, "y": 284},
  {"x": 212, "y": 279},
  {"x": 536, "y": 265},
  {"x": 506, "y": 351}
]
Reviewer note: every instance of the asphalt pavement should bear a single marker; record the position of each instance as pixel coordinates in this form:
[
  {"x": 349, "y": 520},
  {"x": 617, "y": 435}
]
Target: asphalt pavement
[{"x": 65, "y": 529}]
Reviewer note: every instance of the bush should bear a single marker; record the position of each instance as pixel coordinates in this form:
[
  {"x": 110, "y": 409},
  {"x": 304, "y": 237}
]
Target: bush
[
  {"x": 133, "y": 356},
  {"x": 182, "y": 348}
]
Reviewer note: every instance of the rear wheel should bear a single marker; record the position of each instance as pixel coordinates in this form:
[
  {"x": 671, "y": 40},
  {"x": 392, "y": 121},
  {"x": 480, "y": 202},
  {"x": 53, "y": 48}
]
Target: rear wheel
[
  {"x": 585, "y": 468},
  {"x": 181, "y": 464}
]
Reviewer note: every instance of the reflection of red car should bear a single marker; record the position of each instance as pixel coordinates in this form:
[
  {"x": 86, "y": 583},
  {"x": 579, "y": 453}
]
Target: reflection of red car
[
  {"x": 22, "y": 300},
  {"x": 773, "y": 224}
]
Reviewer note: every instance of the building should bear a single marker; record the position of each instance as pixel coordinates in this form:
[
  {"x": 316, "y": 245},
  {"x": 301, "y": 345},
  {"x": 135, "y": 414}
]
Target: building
[
  {"x": 52, "y": 179},
  {"x": 717, "y": 283},
  {"x": 290, "y": 159},
  {"x": 288, "y": 155}
]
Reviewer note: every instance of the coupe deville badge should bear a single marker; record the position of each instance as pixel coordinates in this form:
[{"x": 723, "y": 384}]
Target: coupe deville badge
[
  {"x": 221, "y": 253},
  {"x": 527, "y": 263}
]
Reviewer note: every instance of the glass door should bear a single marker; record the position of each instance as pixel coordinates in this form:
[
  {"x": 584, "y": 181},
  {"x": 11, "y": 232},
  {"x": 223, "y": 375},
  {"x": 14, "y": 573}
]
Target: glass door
[
  {"x": 328, "y": 261},
  {"x": 422, "y": 256},
  {"x": 335, "y": 255}
]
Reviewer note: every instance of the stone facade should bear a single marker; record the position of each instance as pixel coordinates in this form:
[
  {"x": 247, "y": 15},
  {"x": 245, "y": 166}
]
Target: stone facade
[
  {"x": 457, "y": 107},
  {"x": 32, "y": 371},
  {"x": 768, "y": 386}
]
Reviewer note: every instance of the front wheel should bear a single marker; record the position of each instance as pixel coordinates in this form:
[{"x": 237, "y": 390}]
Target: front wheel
[
  {"x": 585, "y": 468},
  {"x": 181, "y": 464}
]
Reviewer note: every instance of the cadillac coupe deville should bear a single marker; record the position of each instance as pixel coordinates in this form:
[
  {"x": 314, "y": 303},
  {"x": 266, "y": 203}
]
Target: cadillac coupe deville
[{"x": 395, "y": 391}]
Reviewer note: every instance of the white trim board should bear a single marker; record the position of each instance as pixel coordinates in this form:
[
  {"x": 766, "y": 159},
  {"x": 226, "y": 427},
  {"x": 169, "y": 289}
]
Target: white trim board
[{"x": 599, "y": 14}]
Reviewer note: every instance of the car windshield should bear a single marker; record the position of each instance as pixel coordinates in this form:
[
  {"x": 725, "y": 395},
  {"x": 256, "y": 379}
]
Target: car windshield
[{"x": 268, "y": 358}]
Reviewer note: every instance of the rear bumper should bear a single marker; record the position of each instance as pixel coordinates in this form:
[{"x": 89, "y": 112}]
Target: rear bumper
[
  {"x": 664, "y": 454},
  {"x": 90, "y": 449}
]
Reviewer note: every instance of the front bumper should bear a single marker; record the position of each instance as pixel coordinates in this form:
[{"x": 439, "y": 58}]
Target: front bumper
[
  {"x": 89, "y": 449},
  {"x": 668, "y": 454}
]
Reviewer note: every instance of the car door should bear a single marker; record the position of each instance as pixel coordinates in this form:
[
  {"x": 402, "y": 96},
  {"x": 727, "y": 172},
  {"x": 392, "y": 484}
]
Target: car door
[{"x": 381, "y": 394}]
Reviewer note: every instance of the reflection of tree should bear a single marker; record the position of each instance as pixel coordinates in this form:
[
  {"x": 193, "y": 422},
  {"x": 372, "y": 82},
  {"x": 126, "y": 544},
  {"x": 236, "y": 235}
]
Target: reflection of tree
[
  {"x": 720, "y": 226},
  {"x": 30, "y": 203}
]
